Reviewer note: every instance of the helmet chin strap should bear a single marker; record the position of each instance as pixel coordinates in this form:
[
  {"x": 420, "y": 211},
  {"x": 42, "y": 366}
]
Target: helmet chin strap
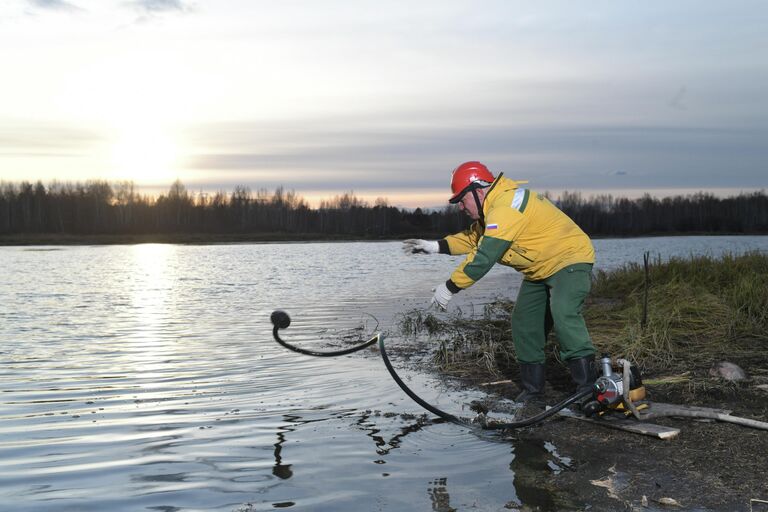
[{"x": 479, "y": 205}]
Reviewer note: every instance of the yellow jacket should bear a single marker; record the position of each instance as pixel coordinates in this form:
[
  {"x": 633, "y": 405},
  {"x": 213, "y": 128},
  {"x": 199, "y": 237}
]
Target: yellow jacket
[{"x": 522, "y": 230}]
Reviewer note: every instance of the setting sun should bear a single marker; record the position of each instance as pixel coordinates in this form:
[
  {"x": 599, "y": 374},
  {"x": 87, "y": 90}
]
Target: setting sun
[{"x": 144, "y": 155}]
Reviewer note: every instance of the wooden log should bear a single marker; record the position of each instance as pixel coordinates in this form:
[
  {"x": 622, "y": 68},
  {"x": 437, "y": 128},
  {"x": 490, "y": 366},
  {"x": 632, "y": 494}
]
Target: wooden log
[
  {"x": 626, "y": 424},
  {"x": 658, "y": 410}
]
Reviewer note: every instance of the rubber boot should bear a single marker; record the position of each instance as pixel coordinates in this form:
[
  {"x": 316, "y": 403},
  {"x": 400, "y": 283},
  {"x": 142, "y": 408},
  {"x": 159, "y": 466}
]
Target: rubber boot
[
  {"x": 532, "y": 381},
  {"x": 584, "y": 374},
  {"x": 531, "y": 399}
]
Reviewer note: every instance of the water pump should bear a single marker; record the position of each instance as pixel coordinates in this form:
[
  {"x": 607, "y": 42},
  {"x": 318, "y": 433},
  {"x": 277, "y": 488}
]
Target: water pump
[{"x": 614, "y": 390}]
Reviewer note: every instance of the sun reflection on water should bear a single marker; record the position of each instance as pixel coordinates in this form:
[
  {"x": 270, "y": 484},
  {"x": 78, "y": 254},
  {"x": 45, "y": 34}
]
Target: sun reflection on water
[
  {"x": 152, "y": 286},
  {"x": 153, "y": 339}
]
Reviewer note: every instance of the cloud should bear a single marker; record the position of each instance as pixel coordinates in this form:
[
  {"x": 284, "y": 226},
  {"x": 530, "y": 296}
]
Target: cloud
[
  {"x": 153, "y": 10},
  {"x": 328, "y": 155},
  {"x": 158, "y": 6},
  {"x": 46, "y": 139},
  {"x": 55, "y": 5}
]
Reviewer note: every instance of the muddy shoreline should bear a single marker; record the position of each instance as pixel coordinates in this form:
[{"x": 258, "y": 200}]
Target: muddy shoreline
[
  {"x": 709, "y": 466},
  {"x": 680, "y": 321}
]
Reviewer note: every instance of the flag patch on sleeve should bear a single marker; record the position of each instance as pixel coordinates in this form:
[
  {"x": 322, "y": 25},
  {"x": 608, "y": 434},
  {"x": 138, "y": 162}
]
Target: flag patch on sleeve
[{"x": 491, "y": 226}]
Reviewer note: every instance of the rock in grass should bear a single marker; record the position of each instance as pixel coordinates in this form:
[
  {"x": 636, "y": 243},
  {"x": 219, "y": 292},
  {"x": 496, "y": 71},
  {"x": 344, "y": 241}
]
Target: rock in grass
[
  {"x": 728, "y": 371},
  {"x": 669, "y": 502}
]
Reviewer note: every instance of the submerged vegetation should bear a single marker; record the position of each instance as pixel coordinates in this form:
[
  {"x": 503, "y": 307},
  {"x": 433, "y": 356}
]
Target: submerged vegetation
[{"x": 699, "y": 310}]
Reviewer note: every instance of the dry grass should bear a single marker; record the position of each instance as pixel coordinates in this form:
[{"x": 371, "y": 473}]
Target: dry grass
[
  {"x": 467, "y": 347},
  {"x": 700, "y": 309}
]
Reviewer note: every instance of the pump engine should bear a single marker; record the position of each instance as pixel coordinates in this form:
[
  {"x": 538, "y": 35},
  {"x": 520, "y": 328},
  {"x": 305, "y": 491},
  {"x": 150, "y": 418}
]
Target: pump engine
[{"x": 614, "y": 390}]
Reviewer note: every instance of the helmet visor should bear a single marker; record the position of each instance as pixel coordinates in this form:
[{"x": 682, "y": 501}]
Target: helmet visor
[{"x": 456, "y": 198}]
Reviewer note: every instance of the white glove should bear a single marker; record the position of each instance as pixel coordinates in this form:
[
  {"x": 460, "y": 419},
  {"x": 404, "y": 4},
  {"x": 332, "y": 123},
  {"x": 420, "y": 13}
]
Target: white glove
[
  {"x": 442, "y": 296},
  {"x": 414, "y": 246}
]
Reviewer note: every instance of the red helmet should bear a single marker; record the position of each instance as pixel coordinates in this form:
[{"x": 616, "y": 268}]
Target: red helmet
[{"x": 467, "y": 176}]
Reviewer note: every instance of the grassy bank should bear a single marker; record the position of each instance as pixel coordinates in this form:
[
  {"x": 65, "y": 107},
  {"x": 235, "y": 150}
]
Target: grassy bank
[{"x": 699, "y": 310}]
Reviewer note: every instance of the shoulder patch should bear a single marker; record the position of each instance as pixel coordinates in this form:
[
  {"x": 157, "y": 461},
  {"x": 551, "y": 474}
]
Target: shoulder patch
[{"x": 520, "y": 199}]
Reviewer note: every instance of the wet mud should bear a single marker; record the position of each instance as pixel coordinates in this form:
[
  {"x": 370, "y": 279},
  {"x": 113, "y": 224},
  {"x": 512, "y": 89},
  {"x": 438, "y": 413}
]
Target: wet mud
[{"x": 709, "y": 466}]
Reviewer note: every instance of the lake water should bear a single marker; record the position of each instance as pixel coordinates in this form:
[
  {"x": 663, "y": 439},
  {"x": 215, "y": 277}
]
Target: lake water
[{"x": 145, "y": 377}]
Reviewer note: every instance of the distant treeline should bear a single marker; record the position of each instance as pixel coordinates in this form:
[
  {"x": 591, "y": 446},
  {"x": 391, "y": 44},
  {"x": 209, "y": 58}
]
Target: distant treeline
[
  {"x": 697, "y": 213},
  {"x": 98, "y": 207}
]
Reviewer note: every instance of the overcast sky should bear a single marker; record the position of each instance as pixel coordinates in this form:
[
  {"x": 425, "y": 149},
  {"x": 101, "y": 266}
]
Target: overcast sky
[{"x": 385, "y": 98}]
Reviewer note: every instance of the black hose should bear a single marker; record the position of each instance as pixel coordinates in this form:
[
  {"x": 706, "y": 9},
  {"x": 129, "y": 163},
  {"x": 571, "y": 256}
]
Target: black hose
[
  {"x": 281, "y": 320},
  {"x": 538, "y": 417},
  {"x": 414, "y": 396},
  {"x": 487, "y": 426}
]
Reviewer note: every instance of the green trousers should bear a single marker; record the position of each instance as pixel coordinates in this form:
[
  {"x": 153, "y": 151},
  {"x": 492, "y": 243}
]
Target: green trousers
[{"x": 556, "y": 302}]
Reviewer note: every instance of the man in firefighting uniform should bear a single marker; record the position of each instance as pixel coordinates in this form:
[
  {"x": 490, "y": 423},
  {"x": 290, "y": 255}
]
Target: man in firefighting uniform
[{"x": 516, "y": 227}]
